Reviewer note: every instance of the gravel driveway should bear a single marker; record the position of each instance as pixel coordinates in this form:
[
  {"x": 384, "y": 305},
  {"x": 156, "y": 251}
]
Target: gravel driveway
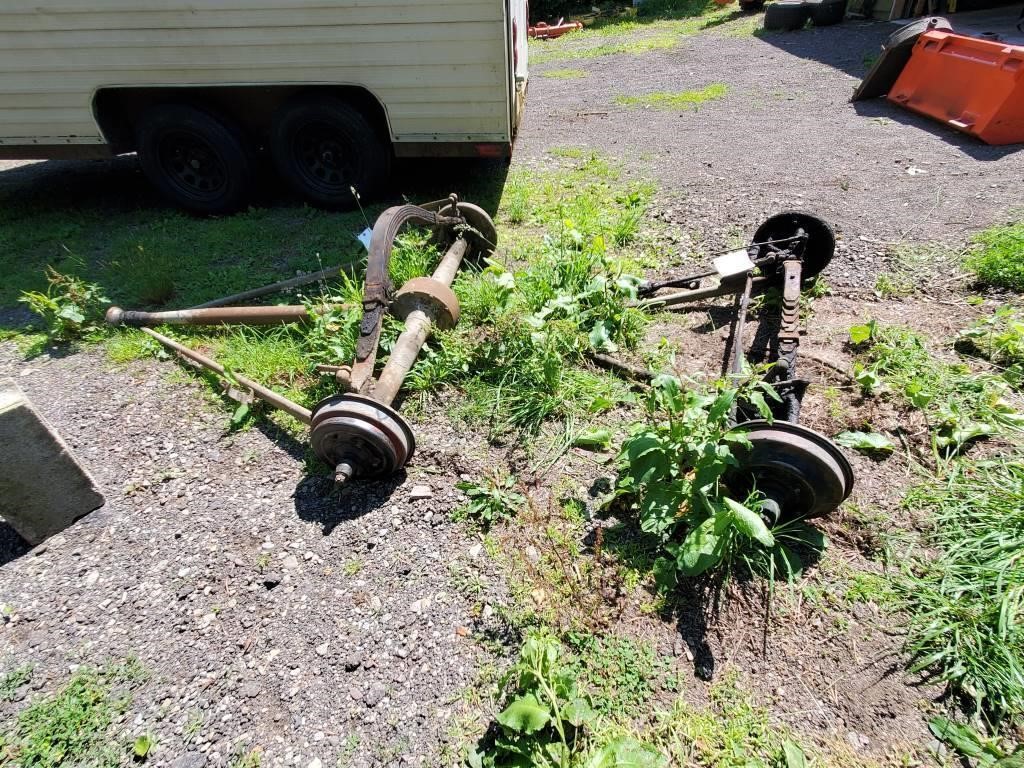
[{"x": 785, "y": 135}]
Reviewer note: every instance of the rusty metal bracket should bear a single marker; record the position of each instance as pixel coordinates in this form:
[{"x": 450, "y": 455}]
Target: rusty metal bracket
[{"x": 378, "y": 289}]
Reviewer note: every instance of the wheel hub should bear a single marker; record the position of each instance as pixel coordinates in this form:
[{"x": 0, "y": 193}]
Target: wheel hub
[
  {"x": 360, "y": 437},
  {"x": 322, "y": 158},
  {"x": 191, "y": 165},
  {"x": 801, "y": 473},
  {"x": 820, "y": 245}
]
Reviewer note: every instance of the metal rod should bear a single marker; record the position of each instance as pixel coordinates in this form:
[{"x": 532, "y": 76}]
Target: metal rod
[
  {"x": 742, "y": 304},
  {"x": 218, "y": 316},
  {"x": 633, "y": 371},
  {"x": 403, "y": 356},
  {"x": 417, "y": 328},
  {"x": 294, "y": 282},
  {"x": 449, "y": 265},
  {"x": 670, "y": 301},
  {"x": 278, "y": 401}
]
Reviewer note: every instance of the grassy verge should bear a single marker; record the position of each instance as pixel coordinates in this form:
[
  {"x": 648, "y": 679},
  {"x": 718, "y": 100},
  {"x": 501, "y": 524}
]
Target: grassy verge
[
  {"x": 962, "y": 583},
  {"x": 959, "y": 405},
  {"x": 610, "y": 703},
  {"x": 683, "y": 100},
  {"x": 73, "y": 725},
  {"x": 997, "y": 257},
  {"x": 657, "y": 26},
  {"x": 965, "y": 604}
]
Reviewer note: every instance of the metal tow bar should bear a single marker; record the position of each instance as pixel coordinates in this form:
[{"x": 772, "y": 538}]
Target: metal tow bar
[
  {"x": 357, "y": 432},
  {"x": 800, "y": 472}
]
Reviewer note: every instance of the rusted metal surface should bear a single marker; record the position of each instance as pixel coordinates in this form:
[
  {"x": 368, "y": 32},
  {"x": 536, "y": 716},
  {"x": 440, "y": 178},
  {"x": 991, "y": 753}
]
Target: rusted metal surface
[
  {"x": 278, "y": 401},
  {"x": 544, "y": 31},
  {"x": 635, "y": 372},
  {"x": 360, "y": 436},
  {"x": 429, "y": 295},
  {"x": 217, "y": 316},
  {"x": 801, "y": 473},
  {"x": 720, "y": 288},
  {"x": 377, "y": 289},
  {"x": 359, "y": 433},
  {"x": 798, "y": 472},
  {"x": 283, "y": 285}
]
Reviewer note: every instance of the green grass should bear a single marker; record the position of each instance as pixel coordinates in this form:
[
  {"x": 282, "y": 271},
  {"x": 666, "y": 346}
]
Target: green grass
[
  {"x": 72, "y": 726},
  {"x": 563, "y": 74},
  {"x": 619, "y": 672},
  {"x": 684, "y": 100},
  {"x": 965, "y": 604},
  {"x": 571, "y": 236},
  {"x": 243, "y": 758},
  {"x": 962, "y": 583},
  {"x": 998, "y": 257},
  {"x": 999, "y": 338},
  {"x": 13, "y": 680},
  {"x": 152, "y": 258},
  {"x": 912, "y": 268},
  {"x": 733, "y": 731},
  {"x": 664, "y": 26},
  {"x": 593, "y": 49}
]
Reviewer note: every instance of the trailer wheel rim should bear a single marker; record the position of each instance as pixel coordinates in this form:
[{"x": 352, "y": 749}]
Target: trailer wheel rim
[
  {"x": 192, "y": 165},
  {"x": 323, "y": 159}
]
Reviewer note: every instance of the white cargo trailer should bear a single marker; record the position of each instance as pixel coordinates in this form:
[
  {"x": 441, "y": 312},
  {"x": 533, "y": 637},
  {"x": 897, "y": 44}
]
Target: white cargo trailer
[{"x": 331, "y": 90}]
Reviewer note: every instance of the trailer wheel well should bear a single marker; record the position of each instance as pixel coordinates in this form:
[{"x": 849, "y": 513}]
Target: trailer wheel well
[{"x": 117, "y": 109}]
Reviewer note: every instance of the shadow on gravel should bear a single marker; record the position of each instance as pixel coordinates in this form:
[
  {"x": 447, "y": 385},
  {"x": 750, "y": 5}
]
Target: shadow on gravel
[
  {"x": 12, "y": 546},
  {"x": 849, "y": 47},
  {"x": 852, "y": 47},
  {"x": 880, "y": 108},
  {"x": 317, "y": 501}
]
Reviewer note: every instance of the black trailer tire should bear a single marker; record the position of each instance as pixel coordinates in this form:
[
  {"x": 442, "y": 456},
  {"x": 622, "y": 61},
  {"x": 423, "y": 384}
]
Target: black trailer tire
[
  {"x": 826, "y": 13},
  {"x": 196, "y": 161},
  {"x": 895, "y": 54},
  {"x": 324, "y": 147},
  {"x": 786, "y": 16}
]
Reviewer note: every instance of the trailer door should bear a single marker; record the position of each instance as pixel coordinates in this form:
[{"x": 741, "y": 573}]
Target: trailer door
[{"x": 519, "y": 73}]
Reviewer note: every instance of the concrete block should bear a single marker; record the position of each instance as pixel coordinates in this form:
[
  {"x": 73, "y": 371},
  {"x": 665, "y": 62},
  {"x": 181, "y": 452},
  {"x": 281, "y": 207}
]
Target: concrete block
[{"x": 43, "y": 489}]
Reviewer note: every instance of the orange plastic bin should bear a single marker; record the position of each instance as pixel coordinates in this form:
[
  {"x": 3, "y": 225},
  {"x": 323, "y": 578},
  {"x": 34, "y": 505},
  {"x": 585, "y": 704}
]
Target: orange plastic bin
[{"x": 974, "y": 85}]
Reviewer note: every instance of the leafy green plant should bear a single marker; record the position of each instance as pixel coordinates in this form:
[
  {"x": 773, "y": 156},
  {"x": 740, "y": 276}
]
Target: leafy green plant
[
  {"x": 969, "y": 743},
  {"x": 70, "y": 726},
  {"x": 550, "y": 723},
  {"x": 618, "y": 671},
  {"x": 491, "y": 500},
  {"x": 960, "y": 405},
  {"x": 996, "y": 259},
  {"x": 672, "y": 476},
  {"x": 732, "y": 733},
  {"x": 243, "y": 758},
  {"x": 71, "y": 308},
  {"x": 1000, "y": 338},
  {"x": 871, "y": 443},
  {"x": 13, "y": 680},
  {"x": 143, "y": 745}
]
